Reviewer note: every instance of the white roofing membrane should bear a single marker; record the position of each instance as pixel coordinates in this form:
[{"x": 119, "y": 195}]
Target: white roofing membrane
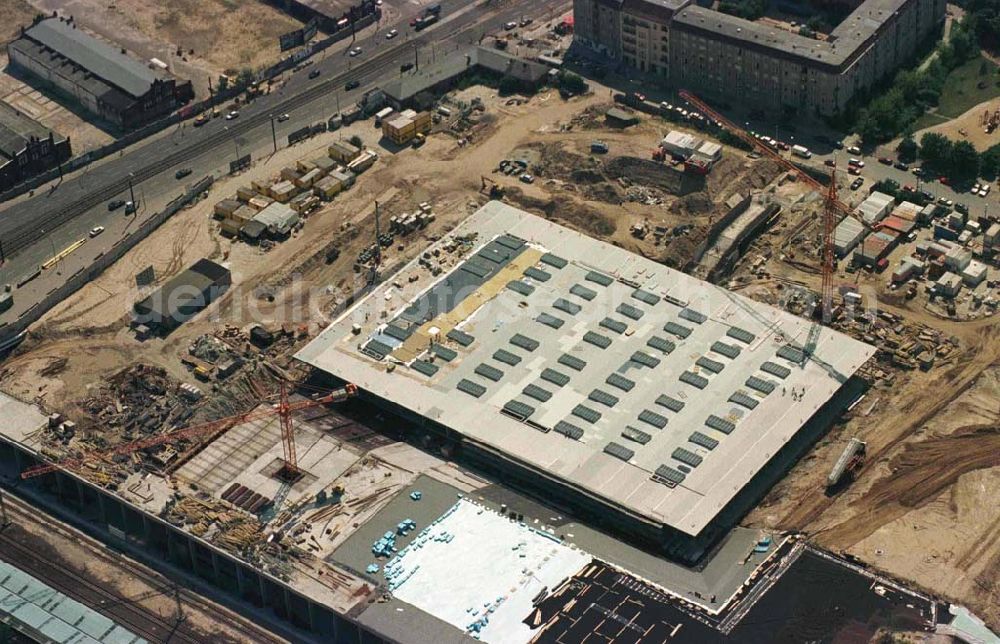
[{"x": 479, "y": 571}]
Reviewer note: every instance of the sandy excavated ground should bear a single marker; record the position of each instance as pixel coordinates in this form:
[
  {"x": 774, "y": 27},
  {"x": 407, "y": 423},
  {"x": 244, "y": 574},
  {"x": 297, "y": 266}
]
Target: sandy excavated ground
[
  {"x": 224, "y": 34},
  {"x": 929, "y": 458},
  {"x": 13, "y": 14}
]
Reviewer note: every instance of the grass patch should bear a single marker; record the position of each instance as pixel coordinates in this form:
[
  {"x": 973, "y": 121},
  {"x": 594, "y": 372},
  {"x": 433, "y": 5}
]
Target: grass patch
[
  {"x": 962, "y": 89},
  {"x": 930, "y": 119}
]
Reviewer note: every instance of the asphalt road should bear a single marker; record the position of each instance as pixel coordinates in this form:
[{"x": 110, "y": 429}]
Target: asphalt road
[{"x": 34, "y": 229}]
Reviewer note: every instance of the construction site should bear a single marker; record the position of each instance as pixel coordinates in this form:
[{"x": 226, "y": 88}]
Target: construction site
[{"x": 581, "y": 339}]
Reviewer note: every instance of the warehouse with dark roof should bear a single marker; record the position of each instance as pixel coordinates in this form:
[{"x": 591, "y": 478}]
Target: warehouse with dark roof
[
  {"x": 27, "y": 147},
  {"x": 99, "y": 76},
  {"x": 182, "y": 297}
]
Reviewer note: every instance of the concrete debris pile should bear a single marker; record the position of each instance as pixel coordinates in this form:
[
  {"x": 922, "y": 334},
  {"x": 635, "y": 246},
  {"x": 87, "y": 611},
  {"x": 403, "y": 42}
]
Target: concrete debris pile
[
  {"x": 903, "y": 344},
  {"x": 136, "y": 401}
]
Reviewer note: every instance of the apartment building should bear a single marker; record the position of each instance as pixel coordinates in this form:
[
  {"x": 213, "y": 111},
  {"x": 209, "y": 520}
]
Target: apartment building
[{"x": 762, "y": 64}]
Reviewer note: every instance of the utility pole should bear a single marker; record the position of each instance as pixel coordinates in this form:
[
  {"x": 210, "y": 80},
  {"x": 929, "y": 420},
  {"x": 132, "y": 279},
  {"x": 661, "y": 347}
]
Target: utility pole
[
  {"x": 131, "y": 192},
  {"x": 378, "y": 242},
  {"x": 274, "y": 137},
  {"x": 416, "y": 58}
]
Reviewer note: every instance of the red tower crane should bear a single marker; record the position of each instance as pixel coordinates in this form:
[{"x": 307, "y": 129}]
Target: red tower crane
[
  {"x": 283, "y": 409},
  {"x": 832, "y": 207}
]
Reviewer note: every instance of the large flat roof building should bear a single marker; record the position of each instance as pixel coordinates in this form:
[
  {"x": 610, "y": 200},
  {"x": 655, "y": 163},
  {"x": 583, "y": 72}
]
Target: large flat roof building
[
  {"x": 627, "y": 389},
  {"x": 100, "y": 76},
  {"x": 763, "y": 64}
]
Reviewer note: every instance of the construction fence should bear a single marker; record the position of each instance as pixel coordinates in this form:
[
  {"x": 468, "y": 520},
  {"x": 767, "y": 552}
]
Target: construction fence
[{"x": 85, "y": 275}]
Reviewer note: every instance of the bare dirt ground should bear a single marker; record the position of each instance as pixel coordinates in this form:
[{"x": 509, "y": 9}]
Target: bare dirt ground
[
  {"x": 13, "y": 14},
  {"x": 932, "y": 458},
  {"x": 223, "y": 34},
  {"x": 965, "y": 127}
]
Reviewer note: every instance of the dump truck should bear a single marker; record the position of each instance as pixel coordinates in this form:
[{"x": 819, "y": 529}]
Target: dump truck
[{"x": 848, "y": 464}]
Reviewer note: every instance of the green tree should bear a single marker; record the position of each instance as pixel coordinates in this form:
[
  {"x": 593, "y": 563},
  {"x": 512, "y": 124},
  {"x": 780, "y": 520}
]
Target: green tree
[
  {"x": 989, "y": 162},
  {"x": 223, "y": 83},
  {"x": 356, "y": 141},
  {"x": 964, "y": 161},
  {"x": 935, "y": 150},
  {"x": 572, "y": 82},
  {"x": 907, "y": 148},
  {"x": 244, "y": 78}
]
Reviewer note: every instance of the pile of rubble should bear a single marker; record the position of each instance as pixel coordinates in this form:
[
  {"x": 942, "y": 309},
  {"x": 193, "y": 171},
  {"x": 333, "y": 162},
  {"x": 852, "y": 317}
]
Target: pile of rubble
[
  {"x": 136, "y": 401},
  {"x": 213, "y": 521}
]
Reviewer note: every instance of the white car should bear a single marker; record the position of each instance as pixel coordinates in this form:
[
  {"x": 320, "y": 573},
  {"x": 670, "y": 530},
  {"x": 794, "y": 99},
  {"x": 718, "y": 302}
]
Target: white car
[
  {"x": 985, "y": 190},
  {"x": 94, "y": 232},
  {"x": 392, "y": 34},
  {"x": 509, "y": 26},
  {"x": 854, "y": 150},
  {"x": 354, "y": 52},
  {"x": 232, "y": 115},
  {"x": 283, "y": 118},
  {"x": 527, "y": 178}
]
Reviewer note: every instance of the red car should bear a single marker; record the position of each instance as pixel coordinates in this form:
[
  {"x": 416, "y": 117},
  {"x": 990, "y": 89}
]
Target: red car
[
  {"x": 853, "y": 169},
  {"x": 943, "y": 180},
  {"x": 885, "y": 160}
]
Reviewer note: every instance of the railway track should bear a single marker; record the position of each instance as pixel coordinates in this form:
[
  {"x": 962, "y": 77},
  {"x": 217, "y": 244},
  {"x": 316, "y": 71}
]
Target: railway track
[
  {"x": 16, "y": 548},
  {"x": 463, "y": 25}
]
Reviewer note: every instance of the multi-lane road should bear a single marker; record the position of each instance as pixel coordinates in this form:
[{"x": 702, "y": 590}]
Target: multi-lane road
[{"x": 32, "y": 229}]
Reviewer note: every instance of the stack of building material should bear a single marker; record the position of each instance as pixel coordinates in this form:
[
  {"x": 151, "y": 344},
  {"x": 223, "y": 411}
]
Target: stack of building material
[
  {"x": 245, "y": 194},
  {"x": 363, "y": 161},
  {"x": 403, "y": 127}
]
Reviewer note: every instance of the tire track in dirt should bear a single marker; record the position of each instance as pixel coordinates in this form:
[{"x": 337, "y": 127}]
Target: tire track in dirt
[{"x": 919, "y": 473}]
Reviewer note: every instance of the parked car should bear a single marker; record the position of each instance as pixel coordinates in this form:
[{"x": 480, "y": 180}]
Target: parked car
[
  {"x": 857, "y": 162},
  {"x": 314, "y": 73},
  {"x": 857, "y": 183},
  {"x": 356, "y": 51},
  {"x": 944, "y": 201},
  {"x": 115, "y": 204},
  {"x": 830, "y": 163},
  {"x": 927, "y": 195},
  {"x": 984, "y": 190},
  {"x": 510, "y": 25},
  {"x": 405, "y": 67},
  {"x": 853, "y": 169},
  {"x": 854, "y": 150},
  {"x": 130, "y": 207},
  {"x": 232, "y": 115},
  {"x": 962, "y": 208},
  {"x": 283, "y": 118},
  {"x": 391, "y": 34},
  {"x": 944, "y": 180},
  {"x": 94, "y": 232},
  {"x": 526, "y": 178},
  {"x": 885, "y": 160},
  {"x": 183, "y": 172},
  {"x": 899, "y": 165},
  {"x": 354, "y": 84}
]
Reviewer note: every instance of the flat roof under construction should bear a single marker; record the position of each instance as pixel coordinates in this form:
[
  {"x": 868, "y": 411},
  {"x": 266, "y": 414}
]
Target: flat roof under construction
[{"x": 655, "y": 392}]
